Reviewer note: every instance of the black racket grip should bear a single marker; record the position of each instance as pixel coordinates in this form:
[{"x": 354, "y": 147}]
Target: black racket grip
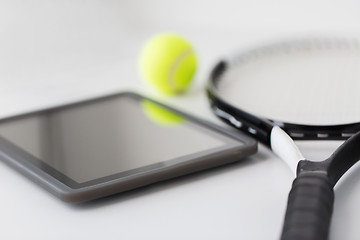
[{"x": 309, "y": 209}]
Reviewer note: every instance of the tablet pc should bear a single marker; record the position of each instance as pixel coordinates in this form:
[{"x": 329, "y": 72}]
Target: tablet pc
[{"x": 99, "y": 147}]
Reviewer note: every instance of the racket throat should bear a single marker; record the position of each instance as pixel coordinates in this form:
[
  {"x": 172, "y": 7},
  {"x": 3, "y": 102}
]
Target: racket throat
[
  {"x": 306, "y": 166},
  {"x": 283, "y": 146}
]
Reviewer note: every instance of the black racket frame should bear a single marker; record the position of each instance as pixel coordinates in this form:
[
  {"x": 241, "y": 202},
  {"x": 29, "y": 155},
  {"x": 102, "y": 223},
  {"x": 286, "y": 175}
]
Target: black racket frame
[{"x": 260, "y": 128}]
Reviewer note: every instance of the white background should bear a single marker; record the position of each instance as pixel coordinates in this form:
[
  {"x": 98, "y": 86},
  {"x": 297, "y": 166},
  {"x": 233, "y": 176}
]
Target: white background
[{"x": 56, "y": 52}]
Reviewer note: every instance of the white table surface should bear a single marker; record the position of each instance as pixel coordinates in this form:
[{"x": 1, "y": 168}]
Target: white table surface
[{"x": 56, "y": 52}]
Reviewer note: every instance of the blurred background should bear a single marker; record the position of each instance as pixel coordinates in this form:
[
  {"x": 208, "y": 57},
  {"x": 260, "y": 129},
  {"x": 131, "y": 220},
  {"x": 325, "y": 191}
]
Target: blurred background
[
  {"x": 70, "y": 49},
  {"x": 59, "y": 51}
]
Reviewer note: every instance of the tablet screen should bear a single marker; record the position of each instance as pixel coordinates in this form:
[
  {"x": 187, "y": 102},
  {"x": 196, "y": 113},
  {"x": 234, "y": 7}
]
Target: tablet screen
[{"x": 103, "y": 137}]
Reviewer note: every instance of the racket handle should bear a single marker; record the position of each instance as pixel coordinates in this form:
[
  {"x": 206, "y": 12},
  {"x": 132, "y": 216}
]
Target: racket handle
[{"x": 309, "y": 209}]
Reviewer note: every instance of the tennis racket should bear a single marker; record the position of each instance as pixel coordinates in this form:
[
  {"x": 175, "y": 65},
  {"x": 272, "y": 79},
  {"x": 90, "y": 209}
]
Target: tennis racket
[{"x": 300, "y": 90}]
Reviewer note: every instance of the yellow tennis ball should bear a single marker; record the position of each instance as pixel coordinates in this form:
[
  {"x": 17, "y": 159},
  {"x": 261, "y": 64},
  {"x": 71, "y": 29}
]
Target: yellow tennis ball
[{"x": 168, "y": 63}]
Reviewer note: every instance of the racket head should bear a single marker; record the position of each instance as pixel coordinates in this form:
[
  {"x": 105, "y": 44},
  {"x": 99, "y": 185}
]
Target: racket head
[{"x": 309, "y": 88}]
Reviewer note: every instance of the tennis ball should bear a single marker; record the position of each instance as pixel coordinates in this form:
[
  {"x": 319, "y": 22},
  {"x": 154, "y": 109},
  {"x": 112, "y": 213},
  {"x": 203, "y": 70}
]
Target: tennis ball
[
  {"x": 160, "y": 115},
  {"x": 168, "y": 63}
]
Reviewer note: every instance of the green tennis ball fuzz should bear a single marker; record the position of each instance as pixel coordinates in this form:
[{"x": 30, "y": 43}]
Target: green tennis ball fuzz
[{"x": 168, "y": 63}]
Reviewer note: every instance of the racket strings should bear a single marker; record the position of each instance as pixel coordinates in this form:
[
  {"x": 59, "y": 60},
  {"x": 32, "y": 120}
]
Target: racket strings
[
  {"x": 297, "y": 46},
  {"x": 297, "y": 82}
]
